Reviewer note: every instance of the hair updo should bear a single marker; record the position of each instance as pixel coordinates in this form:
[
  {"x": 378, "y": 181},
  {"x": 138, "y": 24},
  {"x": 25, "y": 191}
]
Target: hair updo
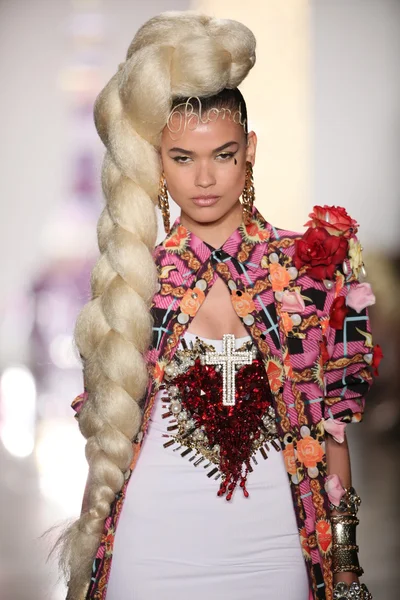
[{"x": 173, "y": 56}]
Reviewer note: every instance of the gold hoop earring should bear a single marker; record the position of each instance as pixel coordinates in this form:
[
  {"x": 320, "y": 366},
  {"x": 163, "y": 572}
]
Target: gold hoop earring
[
  {"x": 248, "y": 194},
  {"x": 163, "y": 203}
]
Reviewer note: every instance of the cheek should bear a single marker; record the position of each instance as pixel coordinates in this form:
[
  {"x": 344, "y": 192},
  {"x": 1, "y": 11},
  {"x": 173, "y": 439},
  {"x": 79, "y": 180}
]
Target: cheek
[
  {"x": 180, "y": 180},
  {"x": 230, "y": 182},
  {"x": 233, "y": 178}
]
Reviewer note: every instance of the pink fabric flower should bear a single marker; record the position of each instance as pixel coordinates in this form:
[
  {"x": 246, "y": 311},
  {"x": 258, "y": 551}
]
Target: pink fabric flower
[
  {"x": 292, "y": 302},
  {"x": 334, "y": 489},
  {"x": 336, "y": 429},
  {"x": 360, "y": 296}
]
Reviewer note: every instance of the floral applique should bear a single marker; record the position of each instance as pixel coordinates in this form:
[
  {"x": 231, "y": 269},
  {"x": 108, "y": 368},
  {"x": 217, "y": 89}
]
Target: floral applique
[
  {"x": 336, "y": 429},
  {"x": 320, "y": 253},
  {"x": 338, "y": 313},
  {"x": 305, "y": 454},
  {"x": 242, "y": 302},
  {"x": 280, "y": 277},
  {"x": 287, "y": 322},
  {"x": 355, "y": 256},
  {"x": 191, "y": 301},
  {"x": 310, "y": 452},
  {"x": 292, "y": 302},
  {"x": 329, "y": 243},
  {"x": 377, "y": 356},
  {"x": 334, "y": 219},
  {"x": 360, "y": 297}
]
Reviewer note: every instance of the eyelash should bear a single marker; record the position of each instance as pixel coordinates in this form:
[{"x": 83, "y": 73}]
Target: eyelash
[{"x": 228, "y": 155}]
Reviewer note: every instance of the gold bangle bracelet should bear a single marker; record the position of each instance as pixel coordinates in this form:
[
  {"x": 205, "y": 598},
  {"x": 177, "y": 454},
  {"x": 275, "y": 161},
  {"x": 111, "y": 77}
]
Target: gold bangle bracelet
[
  {"x": 344, "y": 559},
  {"x": 344, "y": 530},
  {"x": 345, "y": 547}
]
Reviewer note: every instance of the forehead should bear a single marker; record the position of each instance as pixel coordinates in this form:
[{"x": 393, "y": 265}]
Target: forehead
[{"x": 207, "y": 131}]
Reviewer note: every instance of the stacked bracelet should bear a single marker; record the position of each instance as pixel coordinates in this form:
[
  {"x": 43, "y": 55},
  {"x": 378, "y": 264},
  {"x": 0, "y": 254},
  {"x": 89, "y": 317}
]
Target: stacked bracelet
[
  {"x": 345, "y": 549},
  {"x": 350, "y": 502},
  {"x": 355, "y": 591}
]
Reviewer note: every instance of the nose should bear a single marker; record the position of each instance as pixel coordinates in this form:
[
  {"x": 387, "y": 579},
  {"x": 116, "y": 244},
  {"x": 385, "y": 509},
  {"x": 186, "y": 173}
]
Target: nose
[{"x": 204, "y": 177}]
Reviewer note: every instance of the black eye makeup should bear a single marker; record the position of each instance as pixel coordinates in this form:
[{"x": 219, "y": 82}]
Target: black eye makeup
[{"x": 223, "y": 156}]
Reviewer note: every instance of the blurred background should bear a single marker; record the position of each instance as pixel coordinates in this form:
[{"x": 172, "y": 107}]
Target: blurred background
[{"x": 324, "y": 99}]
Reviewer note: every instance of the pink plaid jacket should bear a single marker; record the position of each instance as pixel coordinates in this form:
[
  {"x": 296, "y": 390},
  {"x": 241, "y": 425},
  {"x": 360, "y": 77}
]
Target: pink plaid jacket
[{"x": 315, "y": 371}]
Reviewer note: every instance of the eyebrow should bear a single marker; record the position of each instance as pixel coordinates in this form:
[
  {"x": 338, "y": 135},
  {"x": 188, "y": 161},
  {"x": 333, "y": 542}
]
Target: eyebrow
[{"x": 216, "y": 149}]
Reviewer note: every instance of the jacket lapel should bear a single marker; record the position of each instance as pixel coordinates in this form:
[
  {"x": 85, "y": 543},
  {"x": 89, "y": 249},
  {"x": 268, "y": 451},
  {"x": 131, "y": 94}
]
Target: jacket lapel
[{"x": 242, "y": 262}]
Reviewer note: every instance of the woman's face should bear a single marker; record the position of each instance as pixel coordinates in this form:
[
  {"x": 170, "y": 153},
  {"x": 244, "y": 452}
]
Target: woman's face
[{"x": 205, "y": 166}]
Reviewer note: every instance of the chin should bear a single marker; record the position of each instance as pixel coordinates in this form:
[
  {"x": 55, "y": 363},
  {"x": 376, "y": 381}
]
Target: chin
[{"x": 208, "y": 214}]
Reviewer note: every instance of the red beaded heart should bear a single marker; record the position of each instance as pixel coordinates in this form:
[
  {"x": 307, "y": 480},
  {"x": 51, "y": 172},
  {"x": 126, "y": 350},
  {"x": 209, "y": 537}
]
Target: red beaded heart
[{"x": 233, "y": 428}]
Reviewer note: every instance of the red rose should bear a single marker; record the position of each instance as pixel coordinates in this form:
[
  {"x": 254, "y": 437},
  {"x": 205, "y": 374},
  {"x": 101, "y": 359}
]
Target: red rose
[
  {"x": 334, "y": 219},
  {"x": 338, "y": 313},
  {"x": 320, "y": 252},
  {"x": 376, "y": 359}
]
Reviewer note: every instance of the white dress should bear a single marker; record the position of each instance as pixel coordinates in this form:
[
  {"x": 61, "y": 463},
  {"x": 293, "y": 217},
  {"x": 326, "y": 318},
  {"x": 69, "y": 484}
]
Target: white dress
[{"x": 177, "y": 540}]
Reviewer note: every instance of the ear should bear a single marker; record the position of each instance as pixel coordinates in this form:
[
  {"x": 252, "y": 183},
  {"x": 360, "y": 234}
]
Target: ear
[{"x": 251, "y": 147}]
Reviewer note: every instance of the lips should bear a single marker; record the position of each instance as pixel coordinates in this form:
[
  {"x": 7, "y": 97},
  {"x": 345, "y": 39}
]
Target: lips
[{"x": 205, "y": 200}]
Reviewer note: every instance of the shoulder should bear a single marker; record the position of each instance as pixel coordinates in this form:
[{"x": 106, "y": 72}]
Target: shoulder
[
  {"x": 328, "y": 246},
  {"x": 326, "y": 257}
]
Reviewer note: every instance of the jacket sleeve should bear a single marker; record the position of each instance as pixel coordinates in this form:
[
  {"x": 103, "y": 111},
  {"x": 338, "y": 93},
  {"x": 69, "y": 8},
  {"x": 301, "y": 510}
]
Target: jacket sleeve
[{"x": 348, "y": 376}]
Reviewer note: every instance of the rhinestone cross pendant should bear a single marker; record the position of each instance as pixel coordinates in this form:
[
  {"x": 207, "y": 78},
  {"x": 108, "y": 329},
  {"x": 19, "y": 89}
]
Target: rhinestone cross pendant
[{"x": 228, "y": 359}]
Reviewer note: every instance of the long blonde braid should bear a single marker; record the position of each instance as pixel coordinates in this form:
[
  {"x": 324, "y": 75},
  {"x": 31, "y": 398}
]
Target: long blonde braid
[{"x": 173, "y": 54}]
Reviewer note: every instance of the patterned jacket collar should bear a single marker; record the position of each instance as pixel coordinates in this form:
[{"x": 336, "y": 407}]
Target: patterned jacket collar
[{"x": 247, "y": 244}]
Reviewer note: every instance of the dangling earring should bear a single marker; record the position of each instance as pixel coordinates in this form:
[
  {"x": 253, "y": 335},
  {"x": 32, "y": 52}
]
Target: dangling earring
[
  {"x": 163, "y": 203},
  {"x": 248, "y": 195}
]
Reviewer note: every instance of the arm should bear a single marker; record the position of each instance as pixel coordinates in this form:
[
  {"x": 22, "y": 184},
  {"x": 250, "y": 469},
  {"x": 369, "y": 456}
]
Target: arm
[{"x": 338, "y": 463}]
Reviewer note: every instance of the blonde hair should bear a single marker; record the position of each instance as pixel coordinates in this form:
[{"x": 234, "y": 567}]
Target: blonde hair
[{"x": 174, "y": 54}]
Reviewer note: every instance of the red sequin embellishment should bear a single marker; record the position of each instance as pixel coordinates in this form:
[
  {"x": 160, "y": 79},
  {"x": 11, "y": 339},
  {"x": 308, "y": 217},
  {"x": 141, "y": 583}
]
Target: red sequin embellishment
[{"x": 234, "y": 428}]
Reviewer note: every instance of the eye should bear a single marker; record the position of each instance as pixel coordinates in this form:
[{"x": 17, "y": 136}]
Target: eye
[
  {"x": 183, "y": 160},
  {"x": 226, "y": 155}
]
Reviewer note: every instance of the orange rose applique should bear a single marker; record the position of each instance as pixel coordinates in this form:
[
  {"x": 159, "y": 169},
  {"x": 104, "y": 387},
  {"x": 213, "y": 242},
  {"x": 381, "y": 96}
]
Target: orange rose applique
[
  {"x": 286, "y": 322},
  {"x": 304, "y": 543},
  {"x": 290, "y": 459},
  {"x": 242, "y": 303},
  {"x": 191, "y": 301},
  {"x": 280, "y": 277},
  {"x": 324, "y": 536},
  {"x": 309, "y": 452}
]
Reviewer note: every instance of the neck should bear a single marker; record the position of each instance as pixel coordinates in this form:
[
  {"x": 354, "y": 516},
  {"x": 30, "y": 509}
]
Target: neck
[{"x": 216, "y": 232}]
